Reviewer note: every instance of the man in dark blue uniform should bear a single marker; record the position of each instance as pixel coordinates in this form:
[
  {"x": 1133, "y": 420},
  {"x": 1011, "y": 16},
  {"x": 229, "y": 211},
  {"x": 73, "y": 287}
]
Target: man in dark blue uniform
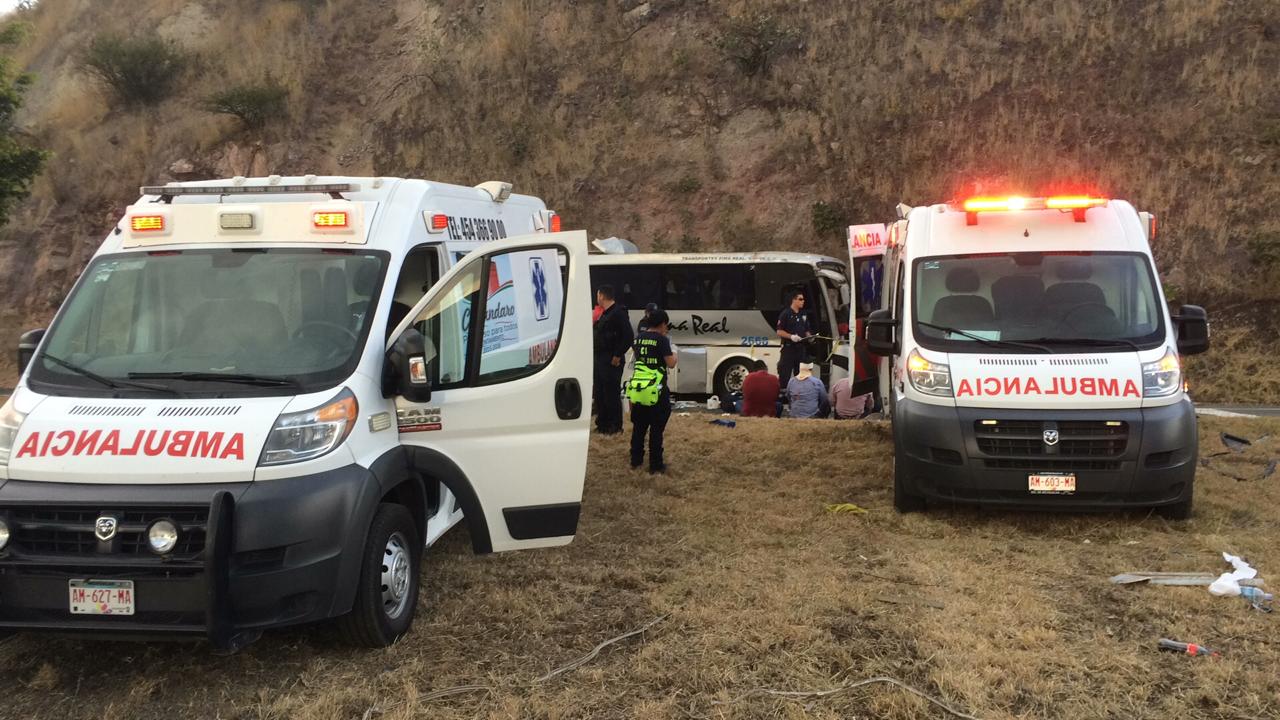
[
  {"x": 611, "y": 340},
  {"x": 653, "y": 349},
  {"x": 793, "y": 328}
]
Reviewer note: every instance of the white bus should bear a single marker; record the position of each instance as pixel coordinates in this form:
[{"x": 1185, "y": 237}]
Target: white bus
[{"x": 724, "y": 308}]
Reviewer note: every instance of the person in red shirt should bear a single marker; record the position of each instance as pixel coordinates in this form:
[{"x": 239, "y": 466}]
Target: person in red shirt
[{"x": 760, "y": 392}]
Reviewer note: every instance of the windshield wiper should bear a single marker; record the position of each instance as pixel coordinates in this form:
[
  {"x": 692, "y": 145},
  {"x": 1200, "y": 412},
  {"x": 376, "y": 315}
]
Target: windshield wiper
[
  {"x": 237, "y": 378},
  {"x": 114, "y": 384},
  {"x": 1088, "y": 342},
  {"x": 986, "y": 341}
]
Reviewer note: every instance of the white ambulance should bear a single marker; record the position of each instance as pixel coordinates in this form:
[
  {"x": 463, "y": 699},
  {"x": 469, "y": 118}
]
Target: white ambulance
[
  {"x": 265, "y": 397},
  {"x": 1029, "y": 357}
]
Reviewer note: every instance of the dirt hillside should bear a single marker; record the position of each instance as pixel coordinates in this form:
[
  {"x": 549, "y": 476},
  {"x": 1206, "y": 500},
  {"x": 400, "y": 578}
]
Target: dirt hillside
[{"x": 694, "y": 123}]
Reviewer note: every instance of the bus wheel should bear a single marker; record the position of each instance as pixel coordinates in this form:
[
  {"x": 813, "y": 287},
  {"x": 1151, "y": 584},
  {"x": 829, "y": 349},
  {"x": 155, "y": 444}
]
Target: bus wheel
[
  {"x": 388, "y": 592},
  {"x": 730, "y": 376},
  {"x": 903, "y": 501}
]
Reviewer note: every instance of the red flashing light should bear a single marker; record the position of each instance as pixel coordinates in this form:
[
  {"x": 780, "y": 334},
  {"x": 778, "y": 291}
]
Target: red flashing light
[
  {"x": 147, "y": 223},
  {"x": 555, "y": 223},
  {"x": 439, "y": 221},
  {"x": 1077, "y": 204}
]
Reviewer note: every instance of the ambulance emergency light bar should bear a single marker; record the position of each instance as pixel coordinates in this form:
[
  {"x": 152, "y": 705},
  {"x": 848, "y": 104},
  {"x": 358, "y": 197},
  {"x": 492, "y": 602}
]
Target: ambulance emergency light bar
[
  {"x": 168, "y": 192},
  {"x": 1077, "y": 204}
]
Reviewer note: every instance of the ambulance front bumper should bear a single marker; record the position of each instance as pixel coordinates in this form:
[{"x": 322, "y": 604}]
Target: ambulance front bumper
[
  {"x": 1118, "y": 458},
  {"x": 250, "y": 556}
]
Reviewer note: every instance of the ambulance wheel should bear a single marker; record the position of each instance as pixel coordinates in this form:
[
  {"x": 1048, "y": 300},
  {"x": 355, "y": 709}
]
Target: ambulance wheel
[
  {"x": 387, "y": 595},
  {"x": 730, "y": 376},
  {"x": 903, "y": 501}
]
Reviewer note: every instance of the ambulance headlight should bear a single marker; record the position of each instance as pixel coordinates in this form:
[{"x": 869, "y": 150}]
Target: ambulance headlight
[
  {"x": 929, "y": 378},
  {"x": 10, "y": 421},
  {"x": 311, "y": 433},
  {"x": 162, "y": 536},
  {"x": 1162, "y": 377}
]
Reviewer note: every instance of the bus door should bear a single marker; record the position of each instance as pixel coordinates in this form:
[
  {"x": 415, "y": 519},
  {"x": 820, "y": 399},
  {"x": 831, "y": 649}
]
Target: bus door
[{"x": 867, "y": 245}]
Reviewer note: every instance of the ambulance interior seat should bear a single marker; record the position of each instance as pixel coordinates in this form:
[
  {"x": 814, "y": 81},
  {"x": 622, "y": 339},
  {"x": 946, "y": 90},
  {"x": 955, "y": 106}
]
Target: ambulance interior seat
[
  {"x": 1017, "y": 299},
  {"x": 963, "y": 309},
  {"x": 230, "y": 322},
  {"x": 1072, "y": 290}
]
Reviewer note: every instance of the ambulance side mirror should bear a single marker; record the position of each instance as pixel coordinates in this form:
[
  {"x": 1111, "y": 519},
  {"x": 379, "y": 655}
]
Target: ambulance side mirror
[
  {"x": 880, "y": 333},
  {"x": 27, "y": 345},
  {"x": 406, "y": 369},
  {"x": 1193, "y": 329}
]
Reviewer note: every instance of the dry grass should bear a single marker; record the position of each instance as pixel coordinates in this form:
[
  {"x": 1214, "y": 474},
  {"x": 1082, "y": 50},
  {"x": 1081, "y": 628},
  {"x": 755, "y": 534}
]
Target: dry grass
[{"x": 1001, "y": 614}]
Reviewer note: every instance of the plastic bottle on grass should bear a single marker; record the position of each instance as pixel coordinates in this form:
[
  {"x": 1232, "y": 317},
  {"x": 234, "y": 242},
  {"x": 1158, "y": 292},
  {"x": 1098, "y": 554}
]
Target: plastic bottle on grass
[{"x": 1256, "y": 597}]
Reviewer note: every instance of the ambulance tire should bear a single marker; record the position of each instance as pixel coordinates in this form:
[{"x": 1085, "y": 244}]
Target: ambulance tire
[
  {"x": 903, "y": 501},
  {"x": 387, "y": 595},
  {"x": 732, "y": 371}
]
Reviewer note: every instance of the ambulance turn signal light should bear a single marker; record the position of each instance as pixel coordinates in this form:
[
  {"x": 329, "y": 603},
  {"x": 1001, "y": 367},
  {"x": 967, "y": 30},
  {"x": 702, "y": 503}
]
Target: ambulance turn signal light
[
  {"x": 147, "y": 223},
  {"x": 330, "y": 220}
]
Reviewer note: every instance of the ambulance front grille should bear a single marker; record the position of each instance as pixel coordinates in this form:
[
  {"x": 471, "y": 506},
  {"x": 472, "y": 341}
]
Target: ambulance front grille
[
  {"x": 1076, "y": 438},
  {"x": 69, "y": 530}
]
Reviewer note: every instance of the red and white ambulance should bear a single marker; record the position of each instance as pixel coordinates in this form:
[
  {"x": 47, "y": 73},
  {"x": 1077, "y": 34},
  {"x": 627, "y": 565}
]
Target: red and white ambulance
[
  {"x": 1029, "y": 357},
  {"x": 265, "y": 397}
]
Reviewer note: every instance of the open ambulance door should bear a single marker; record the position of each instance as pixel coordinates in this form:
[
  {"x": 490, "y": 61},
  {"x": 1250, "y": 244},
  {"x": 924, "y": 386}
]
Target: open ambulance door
[
  {"x": 491, "y": 373},
  {"x": 867, "y": 245}
]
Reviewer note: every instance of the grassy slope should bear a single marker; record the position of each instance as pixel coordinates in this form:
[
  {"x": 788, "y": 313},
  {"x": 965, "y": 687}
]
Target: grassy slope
[
  {"x": 642, "y": 128},
  {"x": 1002, "y": 614}
]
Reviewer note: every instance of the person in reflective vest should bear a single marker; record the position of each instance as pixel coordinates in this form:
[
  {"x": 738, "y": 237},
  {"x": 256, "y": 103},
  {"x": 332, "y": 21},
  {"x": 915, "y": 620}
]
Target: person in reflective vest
[{"x": 652, "y": 352}]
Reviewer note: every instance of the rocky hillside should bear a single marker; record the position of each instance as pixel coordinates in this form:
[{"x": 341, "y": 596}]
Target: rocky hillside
[{"x": 690, "y": 123}]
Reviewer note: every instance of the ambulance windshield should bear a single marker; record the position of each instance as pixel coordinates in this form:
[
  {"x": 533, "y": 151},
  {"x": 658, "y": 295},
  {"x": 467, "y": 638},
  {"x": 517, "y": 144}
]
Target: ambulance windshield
[
  {"x": 1037, "y": 302},
  {"x": 219, "y": 322}
]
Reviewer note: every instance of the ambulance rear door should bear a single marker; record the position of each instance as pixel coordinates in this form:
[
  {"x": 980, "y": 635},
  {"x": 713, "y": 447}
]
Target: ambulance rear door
[
  {"x": 867, "y": 244},
  {"x": 493, "y": 384}
]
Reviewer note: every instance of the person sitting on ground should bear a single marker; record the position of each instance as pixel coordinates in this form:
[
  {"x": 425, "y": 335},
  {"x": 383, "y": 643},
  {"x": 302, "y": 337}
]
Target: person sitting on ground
[
  {"x": 760, "y": 392},
  {"x": 808, "y": 394},
  {"x": 847, "y": 406}
]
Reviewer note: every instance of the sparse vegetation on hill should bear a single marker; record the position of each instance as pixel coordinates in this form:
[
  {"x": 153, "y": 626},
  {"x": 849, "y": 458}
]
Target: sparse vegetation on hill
[{"x": 685, "y": 124}]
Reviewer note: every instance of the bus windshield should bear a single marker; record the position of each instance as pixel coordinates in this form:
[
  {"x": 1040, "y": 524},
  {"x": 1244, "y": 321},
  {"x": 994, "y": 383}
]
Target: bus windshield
[
  {"x": 216, "y": 322},
  {"x": 1055, "y": 302}
]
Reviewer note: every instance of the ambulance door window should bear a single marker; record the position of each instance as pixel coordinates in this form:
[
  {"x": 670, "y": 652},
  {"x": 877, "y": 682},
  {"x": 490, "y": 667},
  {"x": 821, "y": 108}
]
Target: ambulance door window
[
  {"x": 446, "y": 323},
  {"x": 522, "y": 314},
  {"x": 420, "y": 271}
]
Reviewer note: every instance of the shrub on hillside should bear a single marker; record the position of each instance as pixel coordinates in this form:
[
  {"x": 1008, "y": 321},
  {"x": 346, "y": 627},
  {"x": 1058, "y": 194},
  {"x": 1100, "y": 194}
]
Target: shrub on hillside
[
  {"x": 828, "y": 219},
  {"x": 141, "y": 71},
  {"x": 20, "y": 162},
  {"x": 254, "y": 104},
  {"x": 752, "y": 42}
]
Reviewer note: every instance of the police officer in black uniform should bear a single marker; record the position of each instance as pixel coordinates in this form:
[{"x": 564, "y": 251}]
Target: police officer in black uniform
[
  {"x": 612, "y": 338},
  {"x": 653, "y": 349},
  {"x": 793, "y": 328}
]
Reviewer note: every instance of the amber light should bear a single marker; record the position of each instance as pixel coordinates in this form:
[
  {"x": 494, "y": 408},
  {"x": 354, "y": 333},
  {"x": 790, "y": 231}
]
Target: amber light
[
  {"x": 329, "y": 219},
  {"x": 146, "y": 223}
]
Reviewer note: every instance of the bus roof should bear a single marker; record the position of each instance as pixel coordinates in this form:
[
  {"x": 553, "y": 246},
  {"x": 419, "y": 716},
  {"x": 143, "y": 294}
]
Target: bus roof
[{"x": 714, "y": 258}]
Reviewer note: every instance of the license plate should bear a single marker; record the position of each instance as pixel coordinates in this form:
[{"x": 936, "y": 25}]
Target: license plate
[
  {"x": 1052, "y": 484},
  {"x": 101, "y": 597}
]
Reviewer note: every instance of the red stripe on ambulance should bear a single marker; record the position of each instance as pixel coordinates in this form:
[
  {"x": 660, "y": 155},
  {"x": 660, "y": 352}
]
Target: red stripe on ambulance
[
  {"x": 1067, "y": 386},
  {"x": 148, "y": 443}
]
